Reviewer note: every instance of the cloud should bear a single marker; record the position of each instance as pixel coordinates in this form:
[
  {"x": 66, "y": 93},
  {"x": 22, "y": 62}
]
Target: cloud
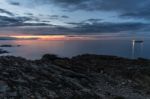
[
  {"x": 131, "y": 8},
  {"x": 19, "y": 21},
  {"x": 65, "y": 16},
  {"x": 14, "y": 3},
  {"x": 6, "y": 12},
  {"x": 56, "y": 17},
  {"x": 28, "y": 19},
  {"x": 128, "y": 8},
  {"x": 79, "y": 28},
  {"x": 137, "y": 14},
  {"x": 108, "y": 5},
  {"x": 102, "y": 27},
  {"x": 92, "y": 20},
  {"x": 99, "y": 4},
  {"x": 12, "y": 21},
  {"x": 29, "y": 14},
  {"x": 123, "y": 9},
  {"x": 85, "y": 22}
]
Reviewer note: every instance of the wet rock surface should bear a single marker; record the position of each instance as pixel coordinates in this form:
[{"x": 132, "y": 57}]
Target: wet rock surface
[{"x": 81, "y": 77}]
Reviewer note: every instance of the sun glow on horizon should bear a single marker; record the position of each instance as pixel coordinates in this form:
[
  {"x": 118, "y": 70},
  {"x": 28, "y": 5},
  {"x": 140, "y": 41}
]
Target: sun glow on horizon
[
  {"x": 53, "y": 37},
  {"x": 40, "y": 37},
  {"x": 65, "y": 37}
]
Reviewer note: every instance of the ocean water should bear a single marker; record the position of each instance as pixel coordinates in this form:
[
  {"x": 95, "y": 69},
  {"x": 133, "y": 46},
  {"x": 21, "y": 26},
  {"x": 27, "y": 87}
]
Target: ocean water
[{"x": 34, "y": 49}]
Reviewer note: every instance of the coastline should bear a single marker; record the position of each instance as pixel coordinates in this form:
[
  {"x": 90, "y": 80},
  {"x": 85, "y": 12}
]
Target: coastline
[{"x": 81, "y": 77}]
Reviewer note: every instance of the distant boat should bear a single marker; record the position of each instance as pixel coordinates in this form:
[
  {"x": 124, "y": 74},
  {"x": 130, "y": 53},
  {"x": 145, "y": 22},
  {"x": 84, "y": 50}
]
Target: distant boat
[{"x": 138, "y": 41}]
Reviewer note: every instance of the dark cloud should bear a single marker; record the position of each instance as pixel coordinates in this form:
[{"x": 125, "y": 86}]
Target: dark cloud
[
  {"x": 129, "y": 8},
  {"x": 35, "y": 30},
  {"x": 81, "y": 28},
  {"x": 69, "y": 2},
  {"x": 54, "y": 17},
  {"x": 101, "y": 4},
  {"x": 64, "y": 16},
  {"x": 14, "y": 3},
  {"x": 94, "y": 4},
  {"x": 124, "y": 8},
  {"x": 12, "y": 21},
  {"x": 102, "y": 27},
  {"x": 19, "y": 21},
  {"x": 30, "y": 14},
  {"x": 137, "y": 14},
  {"x": 84, "y": 22},
  {"x": 6, "y": 12},
  {"x": 92, "y": 21}
]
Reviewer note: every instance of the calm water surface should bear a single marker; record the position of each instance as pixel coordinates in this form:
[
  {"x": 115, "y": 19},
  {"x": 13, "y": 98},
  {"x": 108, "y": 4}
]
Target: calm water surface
[{"x": 34, "y": 49}]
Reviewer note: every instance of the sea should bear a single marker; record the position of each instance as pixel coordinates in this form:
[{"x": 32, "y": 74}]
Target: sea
[{"x": 117, "y": 46}]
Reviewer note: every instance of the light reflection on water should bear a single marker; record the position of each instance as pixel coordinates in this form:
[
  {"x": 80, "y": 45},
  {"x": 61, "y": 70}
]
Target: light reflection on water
[
  {"x": 137, "y": 46},
  {"x": 34, "y": 49}
]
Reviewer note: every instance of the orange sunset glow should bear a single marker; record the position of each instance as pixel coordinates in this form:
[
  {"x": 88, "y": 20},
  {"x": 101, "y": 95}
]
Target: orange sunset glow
[
  {"x": 53, "y": 37},
  {"x": 41, "y": 37}
]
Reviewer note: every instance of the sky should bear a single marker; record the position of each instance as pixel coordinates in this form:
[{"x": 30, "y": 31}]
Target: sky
[{"x": 85, "y": 17}]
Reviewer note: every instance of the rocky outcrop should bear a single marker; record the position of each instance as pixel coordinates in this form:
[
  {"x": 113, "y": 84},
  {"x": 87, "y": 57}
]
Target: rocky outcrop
[
  {"x": 3, "y": 51},
  {"x": 80, "y": 77}
]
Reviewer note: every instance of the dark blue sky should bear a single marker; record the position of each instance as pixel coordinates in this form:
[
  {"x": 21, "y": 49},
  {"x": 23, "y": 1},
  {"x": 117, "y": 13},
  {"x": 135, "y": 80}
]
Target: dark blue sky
[{"x": 74, "y": 16}]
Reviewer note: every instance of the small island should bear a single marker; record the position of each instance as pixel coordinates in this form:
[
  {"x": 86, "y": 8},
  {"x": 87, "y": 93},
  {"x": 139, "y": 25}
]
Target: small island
[
  {"x": 7, "y": 45},
  {"x": 3, "y": 51}
]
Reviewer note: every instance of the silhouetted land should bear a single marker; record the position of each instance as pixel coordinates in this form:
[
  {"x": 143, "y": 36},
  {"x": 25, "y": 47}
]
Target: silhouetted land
[
  {"x": 7, "y": 45},
  {"x": 3, "y": 51},
  {"x": 81, "y": 77}
]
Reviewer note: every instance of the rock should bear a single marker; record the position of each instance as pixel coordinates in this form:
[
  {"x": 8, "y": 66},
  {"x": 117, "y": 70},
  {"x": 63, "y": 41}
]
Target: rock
[
  {"x": 49, "y": 57},
  {"x": 3, "y": 87},
  {"x": 80, "y": 77},
  {"x": 119, "y": 97}
]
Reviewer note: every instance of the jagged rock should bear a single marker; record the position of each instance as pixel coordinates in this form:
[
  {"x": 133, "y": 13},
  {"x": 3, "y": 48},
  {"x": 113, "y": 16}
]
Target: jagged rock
[{"x": 80, "y": 77}]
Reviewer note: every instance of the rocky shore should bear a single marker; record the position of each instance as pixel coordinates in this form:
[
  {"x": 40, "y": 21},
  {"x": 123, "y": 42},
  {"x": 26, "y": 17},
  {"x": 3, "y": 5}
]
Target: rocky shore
[{"x": 81, "y": 77}]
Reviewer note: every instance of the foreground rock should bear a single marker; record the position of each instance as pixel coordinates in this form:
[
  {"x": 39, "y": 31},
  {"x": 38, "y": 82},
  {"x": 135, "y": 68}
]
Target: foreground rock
[{"x": 81, "y": 77}]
